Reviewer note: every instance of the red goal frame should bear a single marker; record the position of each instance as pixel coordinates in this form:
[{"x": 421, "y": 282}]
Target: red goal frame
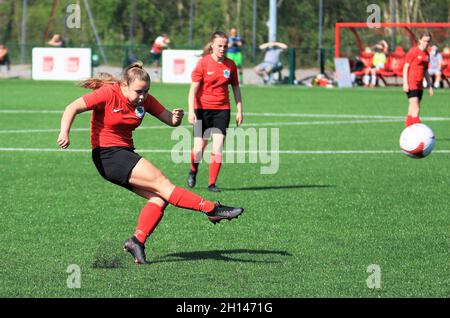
[{"x": 352, "y": 26}]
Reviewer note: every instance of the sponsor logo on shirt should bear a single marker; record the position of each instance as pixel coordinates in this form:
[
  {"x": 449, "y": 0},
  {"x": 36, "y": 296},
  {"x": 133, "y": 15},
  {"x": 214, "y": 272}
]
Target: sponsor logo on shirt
[
  {"x": 139, "y": 111},
  {"x": 117, "y": 110},
  {"x": 210, "y": 73},
  {"x": 226, "y": 73}
]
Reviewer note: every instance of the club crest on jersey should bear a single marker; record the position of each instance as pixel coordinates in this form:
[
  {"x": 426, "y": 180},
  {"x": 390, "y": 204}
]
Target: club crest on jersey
[
  {"x": 226, "y": 73},
  {"x": 139, "y": 111}
]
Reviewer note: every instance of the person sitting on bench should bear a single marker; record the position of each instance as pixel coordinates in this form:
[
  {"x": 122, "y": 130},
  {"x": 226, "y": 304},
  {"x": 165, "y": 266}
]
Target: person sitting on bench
[{"x": 271, "y": 63}]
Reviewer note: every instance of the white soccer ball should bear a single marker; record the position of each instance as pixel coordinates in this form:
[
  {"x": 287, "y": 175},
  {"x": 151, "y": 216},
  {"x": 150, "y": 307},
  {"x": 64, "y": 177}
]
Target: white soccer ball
[{"x": 417, "y": 141}]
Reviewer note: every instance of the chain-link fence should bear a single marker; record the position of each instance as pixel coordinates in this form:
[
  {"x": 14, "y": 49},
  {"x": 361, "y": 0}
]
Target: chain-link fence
[{"x": 116, "y": 54}]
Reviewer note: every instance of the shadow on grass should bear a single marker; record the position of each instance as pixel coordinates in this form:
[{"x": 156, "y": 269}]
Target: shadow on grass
[
  {"x": 224, "y": 255},
  {"x": 300, "y": 186}
]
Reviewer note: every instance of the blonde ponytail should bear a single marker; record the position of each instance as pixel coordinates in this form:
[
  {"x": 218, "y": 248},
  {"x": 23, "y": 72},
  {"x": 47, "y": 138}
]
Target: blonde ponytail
[
  {"x": 97, "y": 82},
  {"x": 132, "y": 72}
]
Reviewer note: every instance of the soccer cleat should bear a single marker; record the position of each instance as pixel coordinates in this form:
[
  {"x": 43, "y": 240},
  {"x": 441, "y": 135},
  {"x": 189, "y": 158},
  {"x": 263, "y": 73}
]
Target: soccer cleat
[
  {"x": 191, "y": 179},
  {"x": 221, "y": 212},
  {"x": 213, "y": 188},
  {"x": 136, "y": 249}
]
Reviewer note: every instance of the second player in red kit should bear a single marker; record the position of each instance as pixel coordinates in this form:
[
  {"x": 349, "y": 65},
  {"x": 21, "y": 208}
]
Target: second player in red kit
[
  {"x": 414, "y": 72},
  {"x": 209, "y": 105}
]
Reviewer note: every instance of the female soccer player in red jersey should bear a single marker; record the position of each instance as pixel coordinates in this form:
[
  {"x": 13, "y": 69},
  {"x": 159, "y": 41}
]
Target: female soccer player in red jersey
[
  {"x": 209, "y": 105},
  {"x": 414, "y": 71},
  {"x": 117, "y": 109}
]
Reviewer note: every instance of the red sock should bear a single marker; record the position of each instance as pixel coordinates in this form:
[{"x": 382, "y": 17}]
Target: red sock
[
  {"x": 149, "y": 218},
  {"x": 415, "y": 120},
  {"x": 214, "y": 167},
  {"x": 410, "y": 120},
  {"x": 184, "y": 199},
  {"x": 194, "y": 165}
]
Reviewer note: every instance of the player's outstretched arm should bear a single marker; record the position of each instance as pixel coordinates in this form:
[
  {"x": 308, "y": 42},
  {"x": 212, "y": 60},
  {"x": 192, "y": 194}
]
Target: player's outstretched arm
[
  {"x": 74, "y": 108},
  {"x": 173, "y": 118}
]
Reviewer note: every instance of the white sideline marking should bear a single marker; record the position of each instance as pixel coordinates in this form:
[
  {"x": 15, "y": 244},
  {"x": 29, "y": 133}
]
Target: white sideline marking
[
  {"x": 56, "y": 130},
  {"x": 328, "y": 122},
  {"x": 30, "y": 111},
  {"x": 287, "y": 152},
  {"x": 331, "y": 122},
  {"x": 320, "y": 115},
  {"x": 46, "y": 111},
  {"x": 276, "y": 124}
]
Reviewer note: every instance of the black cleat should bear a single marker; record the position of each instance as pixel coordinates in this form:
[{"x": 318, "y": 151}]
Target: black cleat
[
  {"x": 221, "y": 212},
  {"x": 137, "y": 249},
  {"x": 214, "y": 188},
  {"x": 191, "y": 179}
]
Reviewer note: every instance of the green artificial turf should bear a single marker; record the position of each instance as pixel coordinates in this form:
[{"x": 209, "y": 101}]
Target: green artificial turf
[{"x": 311, "y": 229}]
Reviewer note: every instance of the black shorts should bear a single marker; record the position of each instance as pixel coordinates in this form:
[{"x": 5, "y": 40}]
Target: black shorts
[
  {"x": 415, "y": 93},
  {"x": 115, "y": 164},
  {"x": 211, "y": 121}
]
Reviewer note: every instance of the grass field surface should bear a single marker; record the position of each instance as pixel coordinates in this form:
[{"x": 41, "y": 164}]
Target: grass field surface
[{"x": 343, "y": 201}]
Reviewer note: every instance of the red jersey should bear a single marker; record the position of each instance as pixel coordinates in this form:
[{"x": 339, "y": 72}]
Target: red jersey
[
  {"x": 214, "y": 78},
  {"x": 418, "y": 64},
  {"x": 114, "y": 118}
]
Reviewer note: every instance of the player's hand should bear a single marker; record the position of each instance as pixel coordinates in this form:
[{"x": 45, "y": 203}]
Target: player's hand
[
  {"x": 192, "y": 118},
  {"x": 405, "y": 87},
  {"x": 239, "y": 118},
  {"x": 177, "y": 116},
  {"x": 431, "y": 92},
  {"x": 63, "y": 140}
]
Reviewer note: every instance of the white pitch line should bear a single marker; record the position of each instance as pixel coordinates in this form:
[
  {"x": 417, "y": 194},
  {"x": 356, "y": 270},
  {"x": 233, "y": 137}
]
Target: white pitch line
[
  {"x": 276, "y": 124},
  {"x": 56, "y": 130},
  {"x": 320, "y": 115},
  {"x": 44, "y": 111},
  {"x": 287, "y": 152},
  {"x": 330, "y": 122},
  {"x": 30, "y": 111},
  {"x": 337, "y": 116}
]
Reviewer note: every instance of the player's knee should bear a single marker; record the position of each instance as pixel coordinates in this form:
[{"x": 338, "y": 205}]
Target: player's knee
[{"x": 159, "y": 202}]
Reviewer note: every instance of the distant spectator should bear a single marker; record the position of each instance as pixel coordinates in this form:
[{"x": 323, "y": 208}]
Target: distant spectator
[
  {"x": 4, "y": 58},
  {"x": 379, "y": 60},
  {"x": 161, "y": 42},
  {"x": 234, "y": 50},
  {"x": 357, "y": 67},
  {"x": 271, "y": 61},
  {"x": 322, "y": 80},
  {"x": 57, "y": 40},
  {"x": 130, "y": 58},
  {"x": 368, "y": 62},
  {"x": 446, "y": 61},
  {"x": 385, "y": 46},
  {"x": 435, "y": 66}
]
